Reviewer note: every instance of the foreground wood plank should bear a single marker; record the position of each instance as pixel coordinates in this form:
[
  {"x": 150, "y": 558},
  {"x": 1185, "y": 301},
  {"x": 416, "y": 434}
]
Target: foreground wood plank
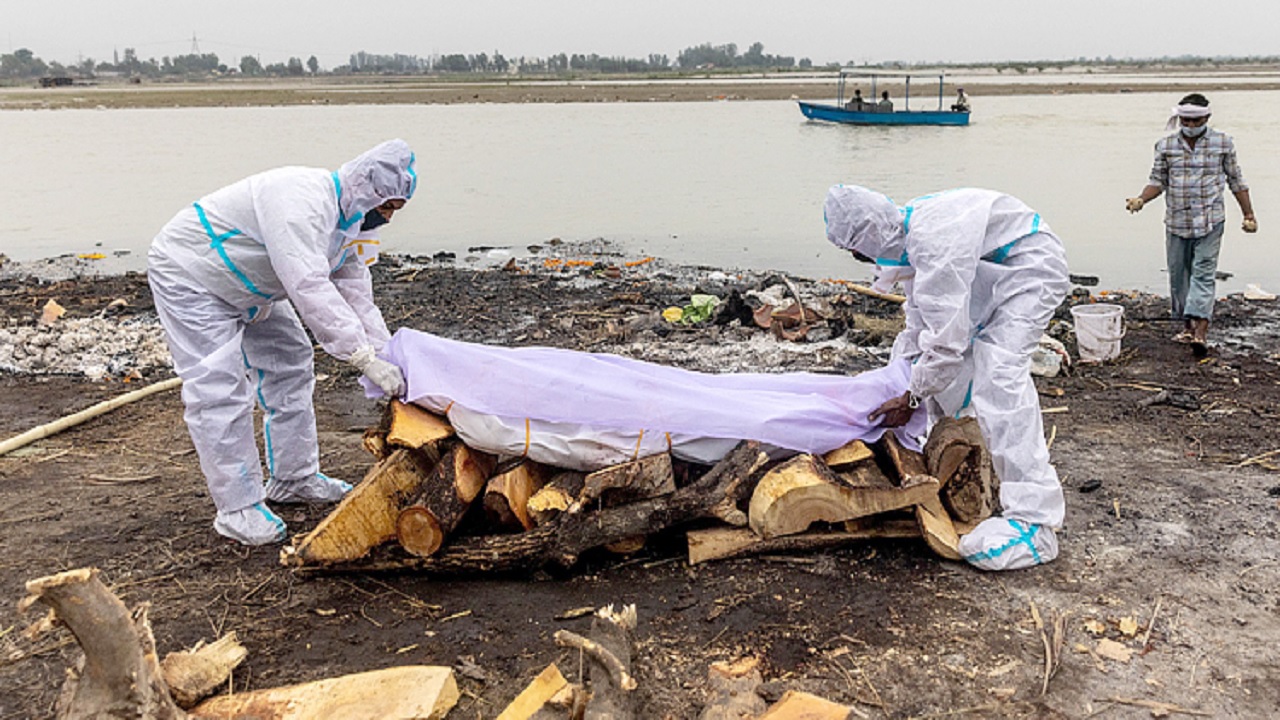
[
  {"x": 795, "y": 705},
  {"x": 803, "y": 490},
  {"x": 194, "y": 674},
  {"x": 412, "y": 427},
  {"x": 536, "y": 695},
  {"x": 399, "y": 693},
  {"x": 366, "y": 517},
  {"x": 443, "y": 498}
]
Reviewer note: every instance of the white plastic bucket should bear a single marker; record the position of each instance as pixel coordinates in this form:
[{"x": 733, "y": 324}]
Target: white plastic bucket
[{"x": 1099, "y": 328}]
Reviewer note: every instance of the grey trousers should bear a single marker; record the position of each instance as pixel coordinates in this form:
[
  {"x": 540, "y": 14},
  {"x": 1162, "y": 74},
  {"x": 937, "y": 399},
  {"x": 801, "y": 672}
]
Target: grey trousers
[{"x": 1192, "y": 264}]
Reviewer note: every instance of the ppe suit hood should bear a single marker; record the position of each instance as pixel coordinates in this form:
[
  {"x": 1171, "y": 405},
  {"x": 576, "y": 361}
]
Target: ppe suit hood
[
  {"x": 866, "y": 221},
  {"x": 383, "y": 173}
]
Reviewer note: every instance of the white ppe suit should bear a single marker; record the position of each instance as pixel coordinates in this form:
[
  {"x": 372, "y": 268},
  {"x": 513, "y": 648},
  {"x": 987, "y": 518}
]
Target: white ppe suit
[
  {"x": 233, "y": 274},
  {"x": 983, "y": 275}
]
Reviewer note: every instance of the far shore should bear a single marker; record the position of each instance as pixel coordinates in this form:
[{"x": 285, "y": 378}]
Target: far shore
[{"x": 114, "y": 93}]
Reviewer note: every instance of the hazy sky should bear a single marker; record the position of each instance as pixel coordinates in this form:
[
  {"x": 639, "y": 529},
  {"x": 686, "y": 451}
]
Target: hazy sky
[{"x": 829, "y": 31}]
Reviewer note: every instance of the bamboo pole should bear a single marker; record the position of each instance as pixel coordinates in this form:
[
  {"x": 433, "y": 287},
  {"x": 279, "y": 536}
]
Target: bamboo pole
[{"x": 106, "y": 406}]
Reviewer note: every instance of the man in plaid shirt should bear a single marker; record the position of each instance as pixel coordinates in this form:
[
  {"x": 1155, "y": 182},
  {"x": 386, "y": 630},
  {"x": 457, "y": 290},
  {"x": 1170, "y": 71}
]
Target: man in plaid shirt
[{"x": 1191, "y": 167}]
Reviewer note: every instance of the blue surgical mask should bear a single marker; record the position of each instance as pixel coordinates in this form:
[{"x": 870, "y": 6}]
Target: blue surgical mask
[
  {"x": 1194, "y": 132},
  {"x": 372, "y": 219}
]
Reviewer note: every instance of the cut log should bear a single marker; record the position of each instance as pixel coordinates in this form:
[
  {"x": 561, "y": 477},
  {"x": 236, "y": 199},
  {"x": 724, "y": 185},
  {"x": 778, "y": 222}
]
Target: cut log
[
  {"x": 506, "y": 496},
  {"x": 855, "y": 451},
  {"x": 536, "y": 695},
  {"x": 938, "y": 530},
  {"x": 564, "y": 539},
  {"x": 366, "y": 517},
  {"x": 444, "y": 497},
  {"x": 120, "y": 676},
  {"x": 412, "y": 427},
  {"x": 958, "y": 457},
  {"x": 725, "y": 543},
  {"x": 732, "y": 687},
  {"x": 648, "y": 477},
  {"x": 803, "y": 490},
  {"x": 398, "y": 693},
  {"x": 796, "y": 705},
  {"x": 194, "y": 674},
  {"x": 901, "y": 464},
  {"x": 555, "y": 497}
]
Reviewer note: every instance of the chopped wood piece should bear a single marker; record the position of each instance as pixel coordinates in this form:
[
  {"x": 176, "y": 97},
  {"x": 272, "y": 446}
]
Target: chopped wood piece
[
  {"x": 374, "y": 441},
  {"x": 796, "y": 705},
  {"x": 555, "y": 497},
  {"x": 536, "y": 695},
  {"x": 120, "y": 676},
  {"x": 444, "y": 497},
  {"x": 855, "y": 451},
  {"x": 506, "y": 496},
  {"x": 412, "y": 427},
  {"x": 902, "y": 464},
  {"x": 366, "y": 517},
  {"x": 563, "y": 540},
  {"x": 609, "y": 663},
  {"x": 803, "y": 490},
  {"x": 733, "y": 690},
  {"x": 724, "y": 543},
  {"x": 193, "y": 674},
  {"x": 400, "y": 693},
  {"x": 938, "y": 530},
  {"x": 958, "y": 457},
  {"x": 641, "y": 479}
]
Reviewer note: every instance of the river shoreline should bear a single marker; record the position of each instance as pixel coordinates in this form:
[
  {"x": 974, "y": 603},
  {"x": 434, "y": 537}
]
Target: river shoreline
[{"x": 116, "y": 94}]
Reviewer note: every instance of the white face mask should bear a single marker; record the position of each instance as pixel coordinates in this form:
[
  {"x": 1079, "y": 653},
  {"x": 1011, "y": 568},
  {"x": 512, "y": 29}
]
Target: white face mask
[{"x": 1194, "y": 132}]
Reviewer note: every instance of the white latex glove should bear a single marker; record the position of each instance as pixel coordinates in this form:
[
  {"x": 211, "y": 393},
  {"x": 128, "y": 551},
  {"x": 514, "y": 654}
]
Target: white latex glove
[
  {"x": 382, "y": 373},
  {"x": 1249, "y": 225},
  {"x": 1133, "y": 204}
]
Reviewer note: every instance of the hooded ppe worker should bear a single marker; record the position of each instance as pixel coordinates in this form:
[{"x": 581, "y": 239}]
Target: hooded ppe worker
[
  {"x": 232, "y": 275},
  {"x": 983, "y": 275}
]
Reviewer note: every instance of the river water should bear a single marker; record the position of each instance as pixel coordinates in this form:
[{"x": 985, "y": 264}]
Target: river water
[{"x": 727, "y": 184}]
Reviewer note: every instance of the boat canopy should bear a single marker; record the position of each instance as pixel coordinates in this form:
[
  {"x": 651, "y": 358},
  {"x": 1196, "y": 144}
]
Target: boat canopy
[{"x": 875, "y": 75}]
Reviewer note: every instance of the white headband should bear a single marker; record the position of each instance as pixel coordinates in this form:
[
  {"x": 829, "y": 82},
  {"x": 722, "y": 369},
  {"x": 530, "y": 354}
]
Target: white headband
[{"x": 1185, "y": 111}]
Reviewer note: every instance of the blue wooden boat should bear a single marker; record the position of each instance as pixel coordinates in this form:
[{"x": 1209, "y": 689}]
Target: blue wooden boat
[{"x": 841, "y": 112}]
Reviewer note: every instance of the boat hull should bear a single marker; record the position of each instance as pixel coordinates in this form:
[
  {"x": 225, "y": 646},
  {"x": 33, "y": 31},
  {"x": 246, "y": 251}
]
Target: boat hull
[{"x": 831, "y": 113}]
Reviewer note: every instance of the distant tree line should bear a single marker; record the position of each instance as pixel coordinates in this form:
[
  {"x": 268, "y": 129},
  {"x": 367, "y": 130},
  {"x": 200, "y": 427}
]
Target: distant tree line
[{"x": 23, "y": 64}]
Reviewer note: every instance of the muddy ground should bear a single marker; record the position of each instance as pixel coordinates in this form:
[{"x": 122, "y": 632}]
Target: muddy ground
[{"x": 1170, "y": 548}]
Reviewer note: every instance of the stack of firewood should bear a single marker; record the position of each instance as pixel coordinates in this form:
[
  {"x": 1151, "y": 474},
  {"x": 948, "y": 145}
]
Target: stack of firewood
[{"x": 430, "y": 502}]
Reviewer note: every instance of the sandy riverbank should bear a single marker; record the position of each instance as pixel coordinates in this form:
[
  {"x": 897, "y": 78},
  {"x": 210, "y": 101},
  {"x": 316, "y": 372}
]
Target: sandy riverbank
[
  {"x": 1169, "y": 549},
  {"x": 411, "y": 90}
]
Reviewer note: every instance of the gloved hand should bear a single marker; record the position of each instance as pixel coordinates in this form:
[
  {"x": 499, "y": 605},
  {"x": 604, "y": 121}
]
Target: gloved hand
[
  {"x": 1134, "y": 204},
  {"x": 382, "y": 373},
  {"x": 1249, "y": 225}
]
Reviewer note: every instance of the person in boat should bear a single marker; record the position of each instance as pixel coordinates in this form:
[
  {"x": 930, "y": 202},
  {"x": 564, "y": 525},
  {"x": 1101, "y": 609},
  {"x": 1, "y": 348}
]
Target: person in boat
[
  {"x": 1191, "y": 169},
  {"x": 983, "y": 275},
  {"x": 234, "y": 275},
  {"x": 856, "y": 103},
  {"x": 962, "y": 101},
  {"x": 885, "y": 105}
]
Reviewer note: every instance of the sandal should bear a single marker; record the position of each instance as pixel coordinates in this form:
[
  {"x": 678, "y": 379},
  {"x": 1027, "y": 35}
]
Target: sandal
[{"x": 1184, "y": 337}]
